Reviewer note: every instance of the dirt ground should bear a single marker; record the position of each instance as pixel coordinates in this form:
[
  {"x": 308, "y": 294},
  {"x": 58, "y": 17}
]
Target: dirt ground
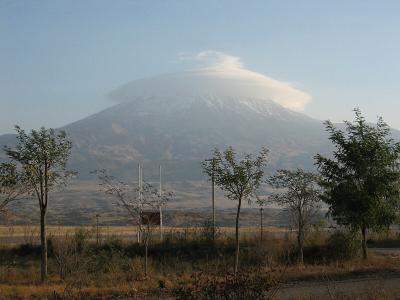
[
  {"x": 374, "y": 286},
  {"x": 371, "y": 288}
]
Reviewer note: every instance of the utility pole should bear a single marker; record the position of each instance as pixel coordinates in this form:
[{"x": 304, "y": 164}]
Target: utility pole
[
  {"x": 160, "y": 207},
  {"x": 140, "y": 201},
  {"x": 97, "y": 228},
  {"x": 261, "y": 223}
]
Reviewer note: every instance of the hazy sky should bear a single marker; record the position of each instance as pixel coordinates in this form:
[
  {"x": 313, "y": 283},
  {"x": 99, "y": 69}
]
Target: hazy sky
[{"x": 58, "y": 59}]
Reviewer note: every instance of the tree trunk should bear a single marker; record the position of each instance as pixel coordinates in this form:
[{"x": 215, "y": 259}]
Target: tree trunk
[
  {"x": 261, "y": 224},
  {"x": 43, "y": 244},
  {"x": 300, "y": 245},
  {"x": 161, "y": 225},
  {"x": 300, "y": 237},
  {"x": 145, "y": 259},
  {"x": 237, "y": 238},
  {"x": 364, "y": 242},
  {"x": 147, "y": 237}
]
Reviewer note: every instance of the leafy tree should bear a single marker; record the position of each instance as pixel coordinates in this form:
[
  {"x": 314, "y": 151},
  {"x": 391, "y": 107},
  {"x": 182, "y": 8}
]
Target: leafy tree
[
  {"x": 41, "y": 156},
  {"x": 300, "y": 195},
  {"x": 238, "y": 178},
  {"x": 361, "y": 179}
]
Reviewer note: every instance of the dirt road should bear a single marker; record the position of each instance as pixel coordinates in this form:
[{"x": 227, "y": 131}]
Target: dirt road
[{"x": 371, "y": 288}]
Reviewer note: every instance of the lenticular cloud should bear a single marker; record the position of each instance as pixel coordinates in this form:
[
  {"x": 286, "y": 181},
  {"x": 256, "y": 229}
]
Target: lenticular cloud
[{"x": 218, "y": 75}]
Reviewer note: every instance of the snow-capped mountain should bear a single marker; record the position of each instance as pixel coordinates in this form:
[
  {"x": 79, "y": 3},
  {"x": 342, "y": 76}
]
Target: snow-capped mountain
[
  {"x": 212, "y": 84},
  {"x": 178, "y": 119}
]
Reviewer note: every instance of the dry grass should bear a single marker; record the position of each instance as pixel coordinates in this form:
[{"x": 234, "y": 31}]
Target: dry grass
[
  {"x": 62, "y": 291},
  {"x": 166, "y": 284},
  {"x": 7, "y": 231},
  {"x": 15, "y": 235},
  {"x": 80, "y": 269}
]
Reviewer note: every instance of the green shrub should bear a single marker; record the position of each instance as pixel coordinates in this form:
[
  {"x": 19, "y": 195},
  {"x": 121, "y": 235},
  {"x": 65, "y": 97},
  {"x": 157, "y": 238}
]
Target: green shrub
[
  {"x": 207, "y": 231},
  {"x": 81, "y": 237},
  {"x": 343, "y": 245}
]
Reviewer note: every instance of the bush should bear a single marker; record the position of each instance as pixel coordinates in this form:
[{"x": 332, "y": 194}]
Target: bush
[
  {"x": 81, "y": 238},
  {"x": 207, "y": 231},
  {"x": 340, "y": 245},
  {"x": 64, "y": 253},
  {"x": 27, "y": 250},
  {"x": 343, "y": 246}
]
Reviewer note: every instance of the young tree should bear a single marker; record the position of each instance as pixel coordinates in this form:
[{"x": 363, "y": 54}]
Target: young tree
[
  {"x": 239, "y": 178},
  {"x": 129, "y": 198},
  {"x": 261, "y": 202},
  {"x": 41, "y": 156},
  {"x": 361, "y": 180},
  {"x": 300, "y": 195}
]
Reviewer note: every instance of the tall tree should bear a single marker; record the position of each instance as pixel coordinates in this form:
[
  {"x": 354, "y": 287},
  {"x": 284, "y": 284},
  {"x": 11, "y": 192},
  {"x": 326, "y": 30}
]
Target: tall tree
[
  {"x": 41, "y": 156},
  {"x": 300, "y": 195},
  {"x": 238, "y": 178},
  {"x": 361, "y": 180}
]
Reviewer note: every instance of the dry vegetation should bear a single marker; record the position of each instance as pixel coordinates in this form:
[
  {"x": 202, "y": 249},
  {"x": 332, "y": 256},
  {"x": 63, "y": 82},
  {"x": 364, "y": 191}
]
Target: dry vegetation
[{"x": 186, "y": 265}]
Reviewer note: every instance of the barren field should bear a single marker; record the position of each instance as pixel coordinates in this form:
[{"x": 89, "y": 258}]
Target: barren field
[
  {"x": 186, "y": 265},
  {"x": 14, "y": 235}
]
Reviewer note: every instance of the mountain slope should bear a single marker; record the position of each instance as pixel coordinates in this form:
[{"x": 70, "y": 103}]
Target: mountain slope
[{"x": 178, "y": 119}]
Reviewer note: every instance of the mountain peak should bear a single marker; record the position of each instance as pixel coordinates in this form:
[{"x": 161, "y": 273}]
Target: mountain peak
[{"x": 218, "y": 81}]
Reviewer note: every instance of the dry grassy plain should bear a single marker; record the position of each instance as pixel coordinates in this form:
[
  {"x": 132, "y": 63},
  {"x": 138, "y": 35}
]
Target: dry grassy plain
[
  {"x": 14, "y": 235},
  {"x": 187, "y": 265},
  {"x": 121, "y": 230}
]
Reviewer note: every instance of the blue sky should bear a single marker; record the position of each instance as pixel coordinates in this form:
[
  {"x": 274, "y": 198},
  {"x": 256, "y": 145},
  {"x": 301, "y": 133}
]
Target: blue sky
[{"x": 58, "y": 59}]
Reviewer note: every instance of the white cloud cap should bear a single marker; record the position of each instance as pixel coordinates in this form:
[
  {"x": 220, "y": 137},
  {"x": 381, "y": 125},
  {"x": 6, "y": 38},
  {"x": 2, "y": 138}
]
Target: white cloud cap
[
  {"x": 217, "y": 74},
  {"x": 215, "y": 60}
]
